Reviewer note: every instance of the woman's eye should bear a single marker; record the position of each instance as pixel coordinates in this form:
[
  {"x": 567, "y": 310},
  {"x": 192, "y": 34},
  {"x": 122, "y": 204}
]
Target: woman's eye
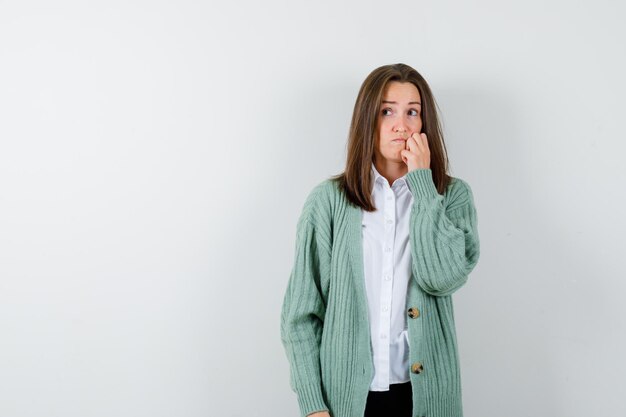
[
  {"x": 385, "y": 110},
  {"x": 415, "y": 113}
]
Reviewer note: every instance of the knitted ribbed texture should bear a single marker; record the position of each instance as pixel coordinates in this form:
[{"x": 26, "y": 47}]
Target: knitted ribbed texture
[{"x": 324, "y": 318}]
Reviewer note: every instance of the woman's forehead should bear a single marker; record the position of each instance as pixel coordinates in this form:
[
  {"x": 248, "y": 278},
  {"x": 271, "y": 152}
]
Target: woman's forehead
[{"x": 403, "y": 92}]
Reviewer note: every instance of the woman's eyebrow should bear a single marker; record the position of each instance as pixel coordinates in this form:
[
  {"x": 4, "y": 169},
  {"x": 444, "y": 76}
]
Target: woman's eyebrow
[{"x": 395, "y": 102}]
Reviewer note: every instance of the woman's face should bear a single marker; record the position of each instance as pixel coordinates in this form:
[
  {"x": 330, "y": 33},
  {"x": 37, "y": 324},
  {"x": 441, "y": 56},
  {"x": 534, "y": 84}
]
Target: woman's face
[{"x": 400, "y": 116}]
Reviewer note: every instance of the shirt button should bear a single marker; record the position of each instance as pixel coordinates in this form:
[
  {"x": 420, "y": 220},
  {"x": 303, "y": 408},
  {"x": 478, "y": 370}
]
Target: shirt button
[
  {"x": 385, "y": 308},
  {"x": 417, "y": 367},
  {"x": 383, "y": 336},
  {"x": 387, "y": 277},
  {"x": 387, "y": 249},
  {"x": 389, "y": 221},
  {"x": 413, "y": 312}
]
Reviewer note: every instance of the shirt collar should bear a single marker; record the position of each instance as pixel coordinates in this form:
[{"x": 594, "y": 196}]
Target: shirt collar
[{"x": 378, "y": 177}]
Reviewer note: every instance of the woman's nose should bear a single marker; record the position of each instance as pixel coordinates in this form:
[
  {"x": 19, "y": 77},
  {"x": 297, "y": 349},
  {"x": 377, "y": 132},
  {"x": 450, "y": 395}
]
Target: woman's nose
[{"x": 401, "y": 127}]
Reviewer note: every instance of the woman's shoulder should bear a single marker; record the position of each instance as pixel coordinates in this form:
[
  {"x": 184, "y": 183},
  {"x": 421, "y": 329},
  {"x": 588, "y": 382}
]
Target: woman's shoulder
[
  {"x": 321, "y": 191},
  {"x": 318, "y": 202},
  {"x": 458, "y": 193}
]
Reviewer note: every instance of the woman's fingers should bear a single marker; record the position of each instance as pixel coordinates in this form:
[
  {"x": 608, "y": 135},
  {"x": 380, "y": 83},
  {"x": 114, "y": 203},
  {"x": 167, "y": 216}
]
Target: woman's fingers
[
  {"x": 411, "y": 143},
  {"x": 415, "y": 142},
  {"x": 424, "y": 140}
]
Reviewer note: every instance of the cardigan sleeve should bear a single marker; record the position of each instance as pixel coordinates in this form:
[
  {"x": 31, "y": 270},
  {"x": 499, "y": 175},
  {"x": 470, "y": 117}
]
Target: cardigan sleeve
[
  {"x": 302, "y": 317},
  {"x": 444, "y": 233}
]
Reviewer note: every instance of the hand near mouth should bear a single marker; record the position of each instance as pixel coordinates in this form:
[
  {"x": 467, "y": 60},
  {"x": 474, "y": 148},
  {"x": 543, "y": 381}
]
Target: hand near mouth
[{"x": 417, "y": 154}]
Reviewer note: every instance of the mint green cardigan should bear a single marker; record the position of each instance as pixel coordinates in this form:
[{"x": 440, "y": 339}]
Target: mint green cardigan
[{"x": 324, "y": 323}]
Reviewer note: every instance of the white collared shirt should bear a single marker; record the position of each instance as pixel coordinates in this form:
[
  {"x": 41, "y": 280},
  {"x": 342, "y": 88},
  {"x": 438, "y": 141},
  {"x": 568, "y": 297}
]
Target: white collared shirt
[{"x": 387, "y": 268}]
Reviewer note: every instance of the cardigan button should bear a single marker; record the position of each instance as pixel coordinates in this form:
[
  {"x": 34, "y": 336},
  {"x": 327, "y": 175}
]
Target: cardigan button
[
  {"x": 417, "y": 368},
  {"x": 413, "y": 312}
]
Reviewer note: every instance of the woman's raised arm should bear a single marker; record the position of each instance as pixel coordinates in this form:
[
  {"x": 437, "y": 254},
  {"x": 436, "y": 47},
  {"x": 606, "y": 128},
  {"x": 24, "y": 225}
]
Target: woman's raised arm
[{"x": 444, "y": 237}]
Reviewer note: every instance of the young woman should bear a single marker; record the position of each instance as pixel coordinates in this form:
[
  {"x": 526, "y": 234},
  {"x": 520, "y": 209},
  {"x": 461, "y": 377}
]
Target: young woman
[{"x": 367, "y": 320}]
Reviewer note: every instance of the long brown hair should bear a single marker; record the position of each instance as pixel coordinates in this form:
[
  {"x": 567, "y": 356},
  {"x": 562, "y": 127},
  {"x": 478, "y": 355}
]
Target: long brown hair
[{"x": 356, "y": 180}]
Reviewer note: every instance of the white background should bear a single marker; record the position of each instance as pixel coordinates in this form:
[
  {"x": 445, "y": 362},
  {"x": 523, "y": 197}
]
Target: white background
[{"x": 154, "y": 158}]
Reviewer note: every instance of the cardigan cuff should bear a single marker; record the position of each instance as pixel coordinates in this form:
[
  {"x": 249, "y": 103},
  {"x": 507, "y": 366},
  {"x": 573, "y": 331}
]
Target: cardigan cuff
[
  {"x": 421, "y": 183},
  {"x": 310, "y": 400}
]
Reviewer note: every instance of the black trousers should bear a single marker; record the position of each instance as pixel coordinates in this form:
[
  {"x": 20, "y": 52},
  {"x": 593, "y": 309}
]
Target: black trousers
[{"x": 397, "y": 402}]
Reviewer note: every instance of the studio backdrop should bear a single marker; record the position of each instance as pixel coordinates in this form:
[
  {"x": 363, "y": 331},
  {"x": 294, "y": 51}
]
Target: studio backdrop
[{"x": 155, "y": 157}]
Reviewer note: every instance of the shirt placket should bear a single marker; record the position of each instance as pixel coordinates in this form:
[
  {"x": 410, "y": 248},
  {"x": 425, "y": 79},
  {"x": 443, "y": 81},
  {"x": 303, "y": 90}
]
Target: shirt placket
[{"x": 386, "y": 293}]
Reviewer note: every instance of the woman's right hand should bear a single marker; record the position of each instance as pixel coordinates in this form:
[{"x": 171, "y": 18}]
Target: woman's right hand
[{"x": 320, "y": 414}]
